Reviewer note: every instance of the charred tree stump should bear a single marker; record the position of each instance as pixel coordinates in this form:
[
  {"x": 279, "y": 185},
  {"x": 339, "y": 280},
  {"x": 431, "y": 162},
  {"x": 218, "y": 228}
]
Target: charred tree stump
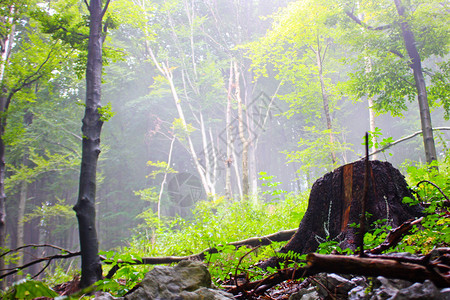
[{"x": 335, "y": 203}]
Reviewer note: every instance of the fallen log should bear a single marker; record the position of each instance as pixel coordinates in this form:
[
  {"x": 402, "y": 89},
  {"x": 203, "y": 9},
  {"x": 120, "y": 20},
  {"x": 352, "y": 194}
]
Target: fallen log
[
  {"x": 437, "y": 270},
  {"x": 367, "y": 266}
]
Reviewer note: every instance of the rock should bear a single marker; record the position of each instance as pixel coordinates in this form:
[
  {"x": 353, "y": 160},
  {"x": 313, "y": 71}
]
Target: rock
[
  {"x": 334, "y": 284},
  {"x": 358, "y": 293},
  {"x": 445, "y": 294},
  {"x": 305, "y": 294},
  {"x": 188, "y": 280},
  {"x": 396, "y": 289},
  {"x": 386, "y": 288},
  {"x": 418, "y": 291},
  {"x": 105, "y": 296}
]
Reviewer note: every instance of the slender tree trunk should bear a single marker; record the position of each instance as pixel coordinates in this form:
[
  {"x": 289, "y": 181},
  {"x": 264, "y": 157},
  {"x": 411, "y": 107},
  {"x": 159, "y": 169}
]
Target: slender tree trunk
[
  {"x": 370, "y": 103},
  {"x": 244, "y": 140},
  {"x": 229, "y": 158},
  {"x": 91, "y": 269},
  {"x": 209, "y": 159},
  {"x": 161, "y": 190},
  {"x": 416, "y": 65},
  {"x": 372, "y": 127},
  {"x": 167, "y": 73},
  {"x": 326, "y": 105},
  {"x": 21, "y": 214},
  {"x": 214, "y": 162}
]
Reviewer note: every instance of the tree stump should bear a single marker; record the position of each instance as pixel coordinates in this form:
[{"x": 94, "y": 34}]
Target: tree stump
[{"x": 335, "y": 203}]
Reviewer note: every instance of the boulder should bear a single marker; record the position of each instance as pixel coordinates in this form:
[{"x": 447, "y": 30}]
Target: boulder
[{"x": 189, "y": 280}]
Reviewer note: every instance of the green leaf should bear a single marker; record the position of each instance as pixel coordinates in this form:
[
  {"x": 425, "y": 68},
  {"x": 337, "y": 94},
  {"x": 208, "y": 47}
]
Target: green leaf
[{"x": 30, "y": 289}]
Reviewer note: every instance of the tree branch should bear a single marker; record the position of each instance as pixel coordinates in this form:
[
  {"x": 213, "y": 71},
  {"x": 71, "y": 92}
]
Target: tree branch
[
  {"x": 404, "y": 139},
  {"x": 87, "y": 5},
  {"x": 436, "y": 186},
  {"x": 280, "y": 236},
  {"x": 35, "y": 246},
  {"x": 395, "y": 236},
  {"x": 105, "y": 8},
  {"x": 42, "y": 259},
  {"x": 361, "y": 23}
]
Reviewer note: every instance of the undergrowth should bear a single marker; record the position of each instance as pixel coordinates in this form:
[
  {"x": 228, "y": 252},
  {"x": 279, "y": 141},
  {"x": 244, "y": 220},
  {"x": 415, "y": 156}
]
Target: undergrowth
[{"x": 215, "y": 223}]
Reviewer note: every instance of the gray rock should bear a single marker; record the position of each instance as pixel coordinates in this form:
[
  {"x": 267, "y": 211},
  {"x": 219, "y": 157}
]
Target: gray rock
[
  {"x": 305, "y": 294},
  {"x": 105, "y": 296},
  {"x": 387, "y": 288},
  {"x": 333, "y": 283},
  {"x": 445, "y": 294},
  {"x": 188, "y": 280},
  {"x": 359, "y": 293},
  {"x": 418, "y": 291}
]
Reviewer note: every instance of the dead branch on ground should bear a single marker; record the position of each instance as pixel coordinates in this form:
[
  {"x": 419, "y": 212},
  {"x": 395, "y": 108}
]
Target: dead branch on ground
[
  {"x": 280, "y": 236},
  {"x": 435, "y": 270}
]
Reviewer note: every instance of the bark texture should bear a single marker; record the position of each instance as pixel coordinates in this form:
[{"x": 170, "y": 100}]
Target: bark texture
[
  {"x": 91, "y": 270},
  {"x": 416, "y": 66},
  {"x": 335, "y": 203}
]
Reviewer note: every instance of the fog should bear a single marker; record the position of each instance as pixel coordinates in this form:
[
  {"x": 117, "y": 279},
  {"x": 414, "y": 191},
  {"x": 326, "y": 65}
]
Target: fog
[{"x": 211, "y": 96}]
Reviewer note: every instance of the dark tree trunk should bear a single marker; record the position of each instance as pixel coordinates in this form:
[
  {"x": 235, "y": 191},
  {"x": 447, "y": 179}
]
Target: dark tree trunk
[
  {"x": 416, "y": 66},
  {"x": 91, "y": 270},
  {"x": 335, "y": 203}
]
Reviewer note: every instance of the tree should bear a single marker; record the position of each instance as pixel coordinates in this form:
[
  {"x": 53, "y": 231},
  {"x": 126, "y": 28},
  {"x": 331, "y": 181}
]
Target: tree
[
  {"x": 302, "y": 50},
  {"x": 399, "y": 39},
  {"x": 91, "y": 270},
  {"x": 28, "y": 57}
]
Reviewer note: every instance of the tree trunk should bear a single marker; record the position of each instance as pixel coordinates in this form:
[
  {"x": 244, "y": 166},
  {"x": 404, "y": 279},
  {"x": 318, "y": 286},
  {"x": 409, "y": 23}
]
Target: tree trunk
[
  {"x": 229, "y": 134},
  {"x": 416, "y": 65},
  {"x": 6, "y": 45},
  {"x": 164, "y": 69},
  {"x": 2, "y": 200},
  {"x": 91, "y": 270},
  {"x": 326, "y": 102},
  {"x": 20, "y": 222},
  {"x": 244, "y": 140},
  {"x": 372, "y": 126},
  {"x": 335, "y": 203},
  {"x": 164, "y": 181}
]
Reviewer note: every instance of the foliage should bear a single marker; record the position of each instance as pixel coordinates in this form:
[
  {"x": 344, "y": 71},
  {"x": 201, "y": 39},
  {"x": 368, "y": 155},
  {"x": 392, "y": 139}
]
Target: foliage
[
  {"x": 313, "y": 150},
  {"x": 125, "y": 278},
  {"x": 181, "y": 130},
  {"x": 216, "y": 223},
  {"x": 431, "y": 186},
  {"x": 374, "y": 139},
  {"x": 29, "y": 289},
  {"x": 271, "y": 185},
  {"x": 382, "y": 66},
  {"x": 106, "y": 112},
  {"x": 161, "y": 168},
  {"x": 439, "y": 92}
]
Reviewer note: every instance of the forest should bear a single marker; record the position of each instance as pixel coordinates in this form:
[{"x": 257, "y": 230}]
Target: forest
[{"x": 136, "y": 133}]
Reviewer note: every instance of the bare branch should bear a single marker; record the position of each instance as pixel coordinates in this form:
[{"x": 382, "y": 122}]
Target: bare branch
[
  {"x": 404, "y": 139},
  {"x": 87, "y": 5},
  {"x": 105, "y": 8},
  {"x": 436, "y": 186},
  {"x": 42, "y": 259},
  {"x": 36, "y": 246},
  {"x": 280, "y": 236},
  {"x": 359, "y": 22}
]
